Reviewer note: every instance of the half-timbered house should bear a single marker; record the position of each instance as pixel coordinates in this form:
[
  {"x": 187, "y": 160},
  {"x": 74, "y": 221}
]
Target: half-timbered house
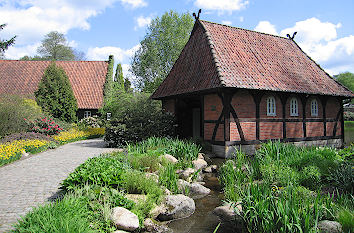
[{"x": 238, "y": 88}]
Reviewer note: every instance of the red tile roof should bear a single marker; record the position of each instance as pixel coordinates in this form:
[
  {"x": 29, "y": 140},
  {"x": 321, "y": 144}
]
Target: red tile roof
[
  {"x": 223, "y": 56},
  {"x": 86, "y": 77}
]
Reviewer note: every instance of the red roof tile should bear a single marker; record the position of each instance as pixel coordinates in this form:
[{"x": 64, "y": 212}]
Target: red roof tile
[
  {"x": 86, "y": 77},
  {"x": 223, "y": 56}
]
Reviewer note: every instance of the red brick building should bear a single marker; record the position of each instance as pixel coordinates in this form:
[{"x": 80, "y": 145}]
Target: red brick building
[
  {"x": 234, "y": 87},
  {"x": 87, "y": 79}
]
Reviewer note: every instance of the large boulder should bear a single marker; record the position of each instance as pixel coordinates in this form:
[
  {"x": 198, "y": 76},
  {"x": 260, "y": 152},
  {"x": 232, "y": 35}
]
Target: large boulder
[
  {"x": 194, "y": 190},
  {"x": 199, "y": 164},
  {"x": 178, "y": 206},
  {"x": 210, "y": 169},
  {"x": 170, "y": 158},
  {"x": 227, "y": 212},
  {"x": 187, "y": 173},
  {"x": 124, "y": 219},
  {"x": 151, "y": 226},
  {"x": 327, "y": 226}
]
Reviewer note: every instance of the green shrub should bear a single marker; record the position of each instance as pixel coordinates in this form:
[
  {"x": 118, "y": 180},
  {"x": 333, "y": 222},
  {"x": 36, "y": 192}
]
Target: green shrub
[
  {"x": 13, "y": 111},
  {"x": 137, "y": 118},
  {"x": 70, "y": 214},
  {"x": 104, "y": 170},
  {"x": 149, "y": 162},
  {"x": 310, "y": 177},
  {"x": 55, "y": 94},
  {"x": 90, "y": 122}
]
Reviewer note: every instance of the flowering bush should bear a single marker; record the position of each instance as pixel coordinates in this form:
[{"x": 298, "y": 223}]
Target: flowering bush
[
  {"x": 44, "y": 126},
  {"x": 75, "y": 134},
  {"x": 93, "y": 122},
  {"x": 11, "y": 151}
]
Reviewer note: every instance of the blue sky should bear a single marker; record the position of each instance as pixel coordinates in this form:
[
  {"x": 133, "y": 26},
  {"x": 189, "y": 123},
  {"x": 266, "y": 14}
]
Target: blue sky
[{"x": 102, "y": 27}]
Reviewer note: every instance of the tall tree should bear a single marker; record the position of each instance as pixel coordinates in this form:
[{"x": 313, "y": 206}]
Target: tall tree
[
  {"x": 4, "y": 44},
  {"x": 347, "y": 80},
  {"x": 55, "y": 47},
  {"x": 119, "y": 78},
  {"x": 55, "y": 94},
  {"x": 160, "y": 48}
]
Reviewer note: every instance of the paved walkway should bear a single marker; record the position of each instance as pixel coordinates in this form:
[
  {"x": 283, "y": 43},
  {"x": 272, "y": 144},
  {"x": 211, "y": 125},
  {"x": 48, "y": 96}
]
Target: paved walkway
[{"x": 29, "y": 182}]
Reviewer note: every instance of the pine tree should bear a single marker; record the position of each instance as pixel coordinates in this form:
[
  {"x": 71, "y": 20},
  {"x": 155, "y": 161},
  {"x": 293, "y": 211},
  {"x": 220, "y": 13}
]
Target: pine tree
[
  {"x": 55, "y": 94},
  {"x": 108, "y": 85}
]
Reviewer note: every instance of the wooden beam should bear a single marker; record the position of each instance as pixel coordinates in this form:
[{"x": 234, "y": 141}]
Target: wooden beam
[
  {"x": 257, "y": 96},
  {"x": 227, "y": 103},
  {"x": 324, "y": 103},
  {"x": 202, "y": 116},
  {"x": 283, "y": 99},
  {"x": 303, "y": 102}
]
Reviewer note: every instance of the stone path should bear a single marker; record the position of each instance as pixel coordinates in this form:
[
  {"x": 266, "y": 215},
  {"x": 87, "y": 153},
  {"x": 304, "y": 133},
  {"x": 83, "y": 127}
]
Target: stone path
[{"x": 30, "y": 182}]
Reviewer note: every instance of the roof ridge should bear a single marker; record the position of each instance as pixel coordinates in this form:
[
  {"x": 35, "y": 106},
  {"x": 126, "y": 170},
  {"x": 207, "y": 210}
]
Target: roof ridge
[
  {"x": 244, "y": 29},
  {"x": 213, "y": 54}
]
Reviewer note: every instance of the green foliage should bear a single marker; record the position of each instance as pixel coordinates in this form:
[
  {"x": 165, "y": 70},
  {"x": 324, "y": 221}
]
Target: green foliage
[
  {"x": 90, "y": 122},
  {"x": 4, "y": 44},
  {"x": 104, "y": 170},
  {"x": 100, "y": 201},
  {"x": 135, "y": 118},
  {"x": 119, "y": 78},
  {"x": 310, "y": 176},
  {"x": 55, "y": 94},
  {"x": 282, "y": 163},
  {"x": 343, "y": 177},
  {"x": 13, "y": 111},
  {"x": 67, "y": 215},
  {"x": 168, "y": 178},
  {"x": 347, "y": 80},
  {"x": 160, "y": 48},
  {"x": 108, "y": 85},
  {"x": 55, "y": 47},
  {"x": 270, "y": 210},
  {"x": 137, "y": 182}
]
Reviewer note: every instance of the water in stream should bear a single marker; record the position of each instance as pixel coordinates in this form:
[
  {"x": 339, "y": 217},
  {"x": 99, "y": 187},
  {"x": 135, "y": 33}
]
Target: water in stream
[{"x": 203, "y": 220}]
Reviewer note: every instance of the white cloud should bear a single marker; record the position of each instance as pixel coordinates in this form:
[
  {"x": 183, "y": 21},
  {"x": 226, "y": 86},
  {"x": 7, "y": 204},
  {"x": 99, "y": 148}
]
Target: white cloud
[
  {"x": 102, "y": 53},
  {"x": 222, "y": 5},
  {"x": 266, "y": 27},
  {"x": 226, "y": 22},
  {"x": 241, "y": 19},
  {"x": 142, "y": 21},
  {"x": 30, "y": 20},
  {"x": 134, "y": 3},
  {"x": 20, "y": 51},
  {"x": 313, "y": 30},
  {"x": 319, "y": 40}
]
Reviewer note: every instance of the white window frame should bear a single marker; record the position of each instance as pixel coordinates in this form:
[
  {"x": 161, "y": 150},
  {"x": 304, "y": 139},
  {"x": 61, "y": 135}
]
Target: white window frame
[
  {"x": 314, "y": 107},
  {"x": 87, "y": 114},
  {"x": 294, "y": 108},
  {"x": 271, "y": 106}
]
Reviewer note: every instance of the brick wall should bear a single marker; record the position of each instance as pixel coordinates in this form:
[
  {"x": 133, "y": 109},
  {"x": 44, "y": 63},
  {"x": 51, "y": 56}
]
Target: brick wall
[{"x": 245, "y": 108}]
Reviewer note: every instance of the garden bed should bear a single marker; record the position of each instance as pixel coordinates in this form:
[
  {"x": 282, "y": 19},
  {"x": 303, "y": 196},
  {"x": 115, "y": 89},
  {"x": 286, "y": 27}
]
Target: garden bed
[
  {"x": 144, "y": 179},
  {"x": 284, "y": 188}
]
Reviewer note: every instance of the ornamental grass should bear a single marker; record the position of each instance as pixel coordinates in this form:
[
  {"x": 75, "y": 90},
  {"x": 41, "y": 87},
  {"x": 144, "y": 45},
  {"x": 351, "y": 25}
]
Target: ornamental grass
[
  {"x": 12, "y": 151},
  {"x": 76, "y": 134}
]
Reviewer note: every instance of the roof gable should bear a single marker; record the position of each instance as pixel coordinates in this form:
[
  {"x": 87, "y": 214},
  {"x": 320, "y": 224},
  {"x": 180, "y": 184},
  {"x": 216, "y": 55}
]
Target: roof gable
[
  {"x": 250, "y": 60},
  {"x": 86, "y": 77}
]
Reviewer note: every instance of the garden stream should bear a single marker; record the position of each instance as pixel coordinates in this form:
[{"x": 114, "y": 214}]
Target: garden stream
[{"x": 203, "y": 220}]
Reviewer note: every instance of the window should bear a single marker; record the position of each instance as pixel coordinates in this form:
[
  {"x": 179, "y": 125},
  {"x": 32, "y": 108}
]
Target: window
[
  {"x": 271, "y": 106},
  {"x": 293, "y": 107},
  {"x": 314, "y": 108},
  {"x": 87, "y": 114}
]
